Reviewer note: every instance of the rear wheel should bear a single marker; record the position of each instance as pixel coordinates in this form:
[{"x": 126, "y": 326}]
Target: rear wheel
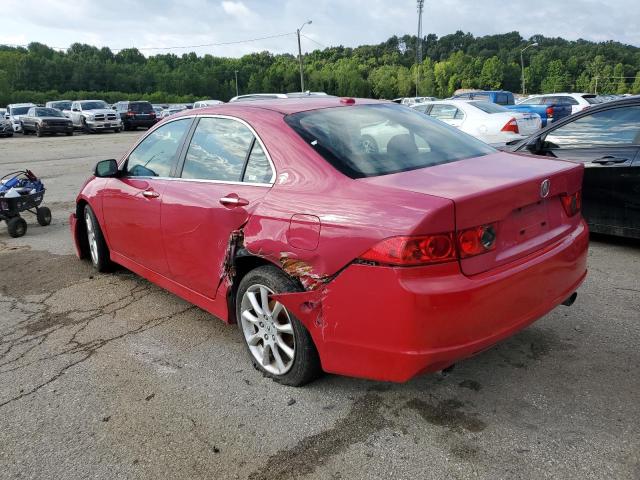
[
  {"x": 43, "y": 214},
  {"x": 24, "y": 130},
  {"x": 98, "y": 250},
  {"x": 17, "y": 227},
  {"x": 69, "y": 134},
  {"x": 278, "y": 344}
]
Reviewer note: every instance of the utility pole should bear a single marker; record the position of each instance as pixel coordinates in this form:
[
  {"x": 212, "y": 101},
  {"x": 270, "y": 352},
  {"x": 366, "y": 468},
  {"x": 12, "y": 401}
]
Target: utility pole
[
  {"x": 237, "y": 83},
  {"x": 308, "y": 22},
  {"x": 419, "y": 44},
  {"x": 534, "y": 44}
]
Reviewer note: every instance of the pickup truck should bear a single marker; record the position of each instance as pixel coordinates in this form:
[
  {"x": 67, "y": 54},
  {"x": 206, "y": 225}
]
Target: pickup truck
[{"x": 549, "y": 108}]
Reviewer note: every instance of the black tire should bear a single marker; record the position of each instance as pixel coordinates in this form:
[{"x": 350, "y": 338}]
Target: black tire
[
  {"x": 17, "y": 227},
  {"x": 38, "y": 131},
  {"x": 43, "y": 214},
  {"x": 116, "y": 130},
  {"x": 126, "y": 127},
  {"x": 101, "y": 261},
  {"x": 85, "y": 127},
  {"x": 68, "y": 134},
  {"x": 24, "y": 130},
  {"x": 306, "y": 363}
]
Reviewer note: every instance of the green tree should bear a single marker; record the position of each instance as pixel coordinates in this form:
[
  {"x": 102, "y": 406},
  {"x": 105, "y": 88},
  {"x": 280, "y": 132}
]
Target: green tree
[
  {"x": 492, "y": 73},
  {"x": 635, "y": 89}
]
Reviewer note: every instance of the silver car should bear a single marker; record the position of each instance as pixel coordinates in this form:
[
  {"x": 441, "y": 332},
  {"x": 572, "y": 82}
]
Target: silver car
[{"x": 94, "y": 115}]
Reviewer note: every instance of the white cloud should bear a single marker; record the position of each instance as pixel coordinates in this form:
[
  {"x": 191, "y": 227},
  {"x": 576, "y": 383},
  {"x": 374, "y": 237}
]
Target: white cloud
[{"x": 236, "y": 9}]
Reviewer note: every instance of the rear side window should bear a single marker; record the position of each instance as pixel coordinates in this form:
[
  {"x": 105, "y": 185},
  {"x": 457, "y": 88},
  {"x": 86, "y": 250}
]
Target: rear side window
[
  {"x": 371, "y": 140},
  {"x": 446, "y": 112},
  {"x": 502, "y": 99},
  {"x": 156, "y": 154},
  {"x": 258, "y": 168},
  {"x": 614, "y": 127}
]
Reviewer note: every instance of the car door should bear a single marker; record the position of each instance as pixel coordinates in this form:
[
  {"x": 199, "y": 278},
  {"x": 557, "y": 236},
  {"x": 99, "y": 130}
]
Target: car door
[
  {"x": 27, "y": 120},
  {"x": 224, "y": 173},
  {"x": 131, "y": 203},
  {"x": 607, "y": 142}
]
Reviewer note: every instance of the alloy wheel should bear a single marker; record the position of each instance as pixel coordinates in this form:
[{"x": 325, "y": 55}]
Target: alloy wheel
[
  {"x": 268, "y": 330},
  {"x": 91, "y": 237}
]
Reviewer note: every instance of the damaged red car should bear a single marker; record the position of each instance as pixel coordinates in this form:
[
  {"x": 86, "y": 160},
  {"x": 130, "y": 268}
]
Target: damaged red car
[{"x": 348, "y": 236}]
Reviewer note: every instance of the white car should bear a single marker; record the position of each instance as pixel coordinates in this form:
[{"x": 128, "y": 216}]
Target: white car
[
  {"x": 15, "y": 112},
  {"x": 206, "y": 103},
  {"x": 489, "y": 122},
  {"x": 94, "y": 115},
  {"x": 578, "y": 101}
]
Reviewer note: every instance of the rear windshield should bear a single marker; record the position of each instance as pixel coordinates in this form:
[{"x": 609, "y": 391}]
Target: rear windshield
[
  {"x": 373, "y": 140},
  {"x": 142, "y": 107},
  {"x": 592, "y": 99},
  {"x": 48, "y": 112},
  {"x": 488, "y": 107}
]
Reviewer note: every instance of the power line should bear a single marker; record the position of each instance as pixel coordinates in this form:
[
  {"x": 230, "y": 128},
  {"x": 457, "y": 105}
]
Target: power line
[
  {"x": 176, "y": 47},
  {"x": 314, "y": 41}
]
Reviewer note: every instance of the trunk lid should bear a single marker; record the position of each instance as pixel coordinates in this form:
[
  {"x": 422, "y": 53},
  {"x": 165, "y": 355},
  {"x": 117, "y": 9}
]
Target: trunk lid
[
  {"x": 528, "y": 123},
  {"x": 500, "y": 188}
]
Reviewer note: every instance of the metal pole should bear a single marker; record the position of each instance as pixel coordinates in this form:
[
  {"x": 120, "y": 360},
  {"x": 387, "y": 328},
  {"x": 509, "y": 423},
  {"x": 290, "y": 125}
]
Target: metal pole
[
  {"x": 300, "y": 57},
  {"x": 522, "y": 65},
  {"x": 419, "y": 44},
  {"x": 237, "y": 83}
]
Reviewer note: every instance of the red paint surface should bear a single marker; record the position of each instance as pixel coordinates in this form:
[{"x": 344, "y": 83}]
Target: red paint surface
[{"x": 371, "y": 321}]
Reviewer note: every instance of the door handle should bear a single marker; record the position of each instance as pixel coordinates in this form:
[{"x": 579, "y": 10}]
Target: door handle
[
  {"x": 609, "y": 159},
  {"x": 150, "y": 194},
  {"x": 234, "y": 201}
]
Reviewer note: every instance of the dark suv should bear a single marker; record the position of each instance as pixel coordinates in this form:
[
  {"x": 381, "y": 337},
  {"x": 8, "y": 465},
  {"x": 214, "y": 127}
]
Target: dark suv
[{"x": 136, "y": 114}]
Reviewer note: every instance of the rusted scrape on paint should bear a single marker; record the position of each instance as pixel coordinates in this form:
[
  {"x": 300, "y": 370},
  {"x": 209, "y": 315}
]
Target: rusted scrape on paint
[{"x": 302, "y": 271}]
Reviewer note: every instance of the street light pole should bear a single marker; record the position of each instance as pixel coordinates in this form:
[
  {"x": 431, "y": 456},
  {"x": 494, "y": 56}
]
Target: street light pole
[
  {"x": 237, "y": 83},
  {"x": 534, "y": 44},
  {"x": 308, "y": 22}
]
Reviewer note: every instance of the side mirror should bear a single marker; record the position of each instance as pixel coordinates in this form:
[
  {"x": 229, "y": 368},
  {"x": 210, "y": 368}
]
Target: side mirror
[
  {"x": 75, "y": 109},
  {"x": 106, "y": 169}
]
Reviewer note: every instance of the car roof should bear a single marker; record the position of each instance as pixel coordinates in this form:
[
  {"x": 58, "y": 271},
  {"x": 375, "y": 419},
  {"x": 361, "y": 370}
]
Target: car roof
[{"x": 288, "y": 106}]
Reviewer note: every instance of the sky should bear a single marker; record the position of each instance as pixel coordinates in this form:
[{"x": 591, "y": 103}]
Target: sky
[{"x": 148, "y": 24}]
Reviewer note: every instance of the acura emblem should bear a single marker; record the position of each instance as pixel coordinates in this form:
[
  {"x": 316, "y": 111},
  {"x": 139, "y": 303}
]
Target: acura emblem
[{"x": 545, "y": 186}]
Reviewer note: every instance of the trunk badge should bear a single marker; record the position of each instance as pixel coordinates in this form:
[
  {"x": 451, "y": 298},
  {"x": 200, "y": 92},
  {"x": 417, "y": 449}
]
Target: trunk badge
[{"x": 545, "y": 186}]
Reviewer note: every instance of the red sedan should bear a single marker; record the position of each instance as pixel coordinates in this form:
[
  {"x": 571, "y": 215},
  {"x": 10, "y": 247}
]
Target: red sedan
[{"x": 348, "y": 236}]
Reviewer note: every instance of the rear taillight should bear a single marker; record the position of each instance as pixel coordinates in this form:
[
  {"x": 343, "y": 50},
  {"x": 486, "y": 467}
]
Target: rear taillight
[
  {"x": 477, "y": 240},
  {"x": 549, "y": 112},
  {"x": 131, "y": 114},
  {"x": 429, "y": 249},
  {"x": 572, "y": 203},
  {"x": 411, "y": 251},
  {"x": 153, "y": 114},
  {"x": 511, "y": 126}
]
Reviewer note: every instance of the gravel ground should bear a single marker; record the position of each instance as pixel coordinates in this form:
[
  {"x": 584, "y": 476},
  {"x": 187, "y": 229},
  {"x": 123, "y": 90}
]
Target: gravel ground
[{"x": 108, "y": 376}]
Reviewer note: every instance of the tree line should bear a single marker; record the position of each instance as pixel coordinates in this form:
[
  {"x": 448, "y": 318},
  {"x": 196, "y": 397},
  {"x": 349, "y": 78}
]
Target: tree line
[{"x": 39, "y": 73}]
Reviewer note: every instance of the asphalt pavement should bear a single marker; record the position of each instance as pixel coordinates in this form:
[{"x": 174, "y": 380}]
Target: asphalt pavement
[{"x": 110, "y": 377}]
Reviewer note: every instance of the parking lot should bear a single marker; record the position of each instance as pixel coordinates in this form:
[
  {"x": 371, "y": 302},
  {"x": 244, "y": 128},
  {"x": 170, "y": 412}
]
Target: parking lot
[{"x": 108, "y": 376}]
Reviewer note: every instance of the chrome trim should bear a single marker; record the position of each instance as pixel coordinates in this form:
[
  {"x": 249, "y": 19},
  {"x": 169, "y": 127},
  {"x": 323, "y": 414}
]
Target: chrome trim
[
  {"x": 198, "y": 180},
  {"x": 255, "y": 134}
]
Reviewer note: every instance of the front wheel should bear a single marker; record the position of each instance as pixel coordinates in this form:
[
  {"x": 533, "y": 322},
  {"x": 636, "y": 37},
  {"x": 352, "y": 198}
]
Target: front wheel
[
  {"x": 116, "y": 130},
  {"x": 278, "y": 344},
  {"x": 85, "y": 127},
  {"x": 98, "y": 250},
  {"x": 38, "y": 131},
  {"x": 17, "y": 227}
]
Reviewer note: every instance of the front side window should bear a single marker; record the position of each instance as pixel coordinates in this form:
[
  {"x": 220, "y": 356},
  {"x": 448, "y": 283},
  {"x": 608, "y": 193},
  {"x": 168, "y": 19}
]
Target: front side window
[
  {"x": 218, "y": 150},
  {"x": 371, "y": 140},
  {"x": 613, "y": 127},
  {"x": 156, "y": 154}
]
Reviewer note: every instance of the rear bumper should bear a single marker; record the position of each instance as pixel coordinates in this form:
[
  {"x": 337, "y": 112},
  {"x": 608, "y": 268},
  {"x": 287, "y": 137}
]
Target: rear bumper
[
  {"x": 392, "y": 323},
  {"x": 140, "y": 123}
]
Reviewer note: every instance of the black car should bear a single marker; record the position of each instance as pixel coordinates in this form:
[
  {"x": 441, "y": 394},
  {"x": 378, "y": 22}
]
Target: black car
[
  {"x": 41, "y": 120},
  {"x": 606, "y": 139},
  {"x": 136, "y": 114}
]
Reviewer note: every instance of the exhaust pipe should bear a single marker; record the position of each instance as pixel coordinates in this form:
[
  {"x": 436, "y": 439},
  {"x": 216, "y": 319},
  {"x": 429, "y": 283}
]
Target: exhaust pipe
[{"x": 569, "y": 301}]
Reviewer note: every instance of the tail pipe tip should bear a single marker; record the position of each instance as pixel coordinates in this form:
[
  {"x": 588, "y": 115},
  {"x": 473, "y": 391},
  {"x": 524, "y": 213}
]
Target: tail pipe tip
[{"x": 570, "y": 301}]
